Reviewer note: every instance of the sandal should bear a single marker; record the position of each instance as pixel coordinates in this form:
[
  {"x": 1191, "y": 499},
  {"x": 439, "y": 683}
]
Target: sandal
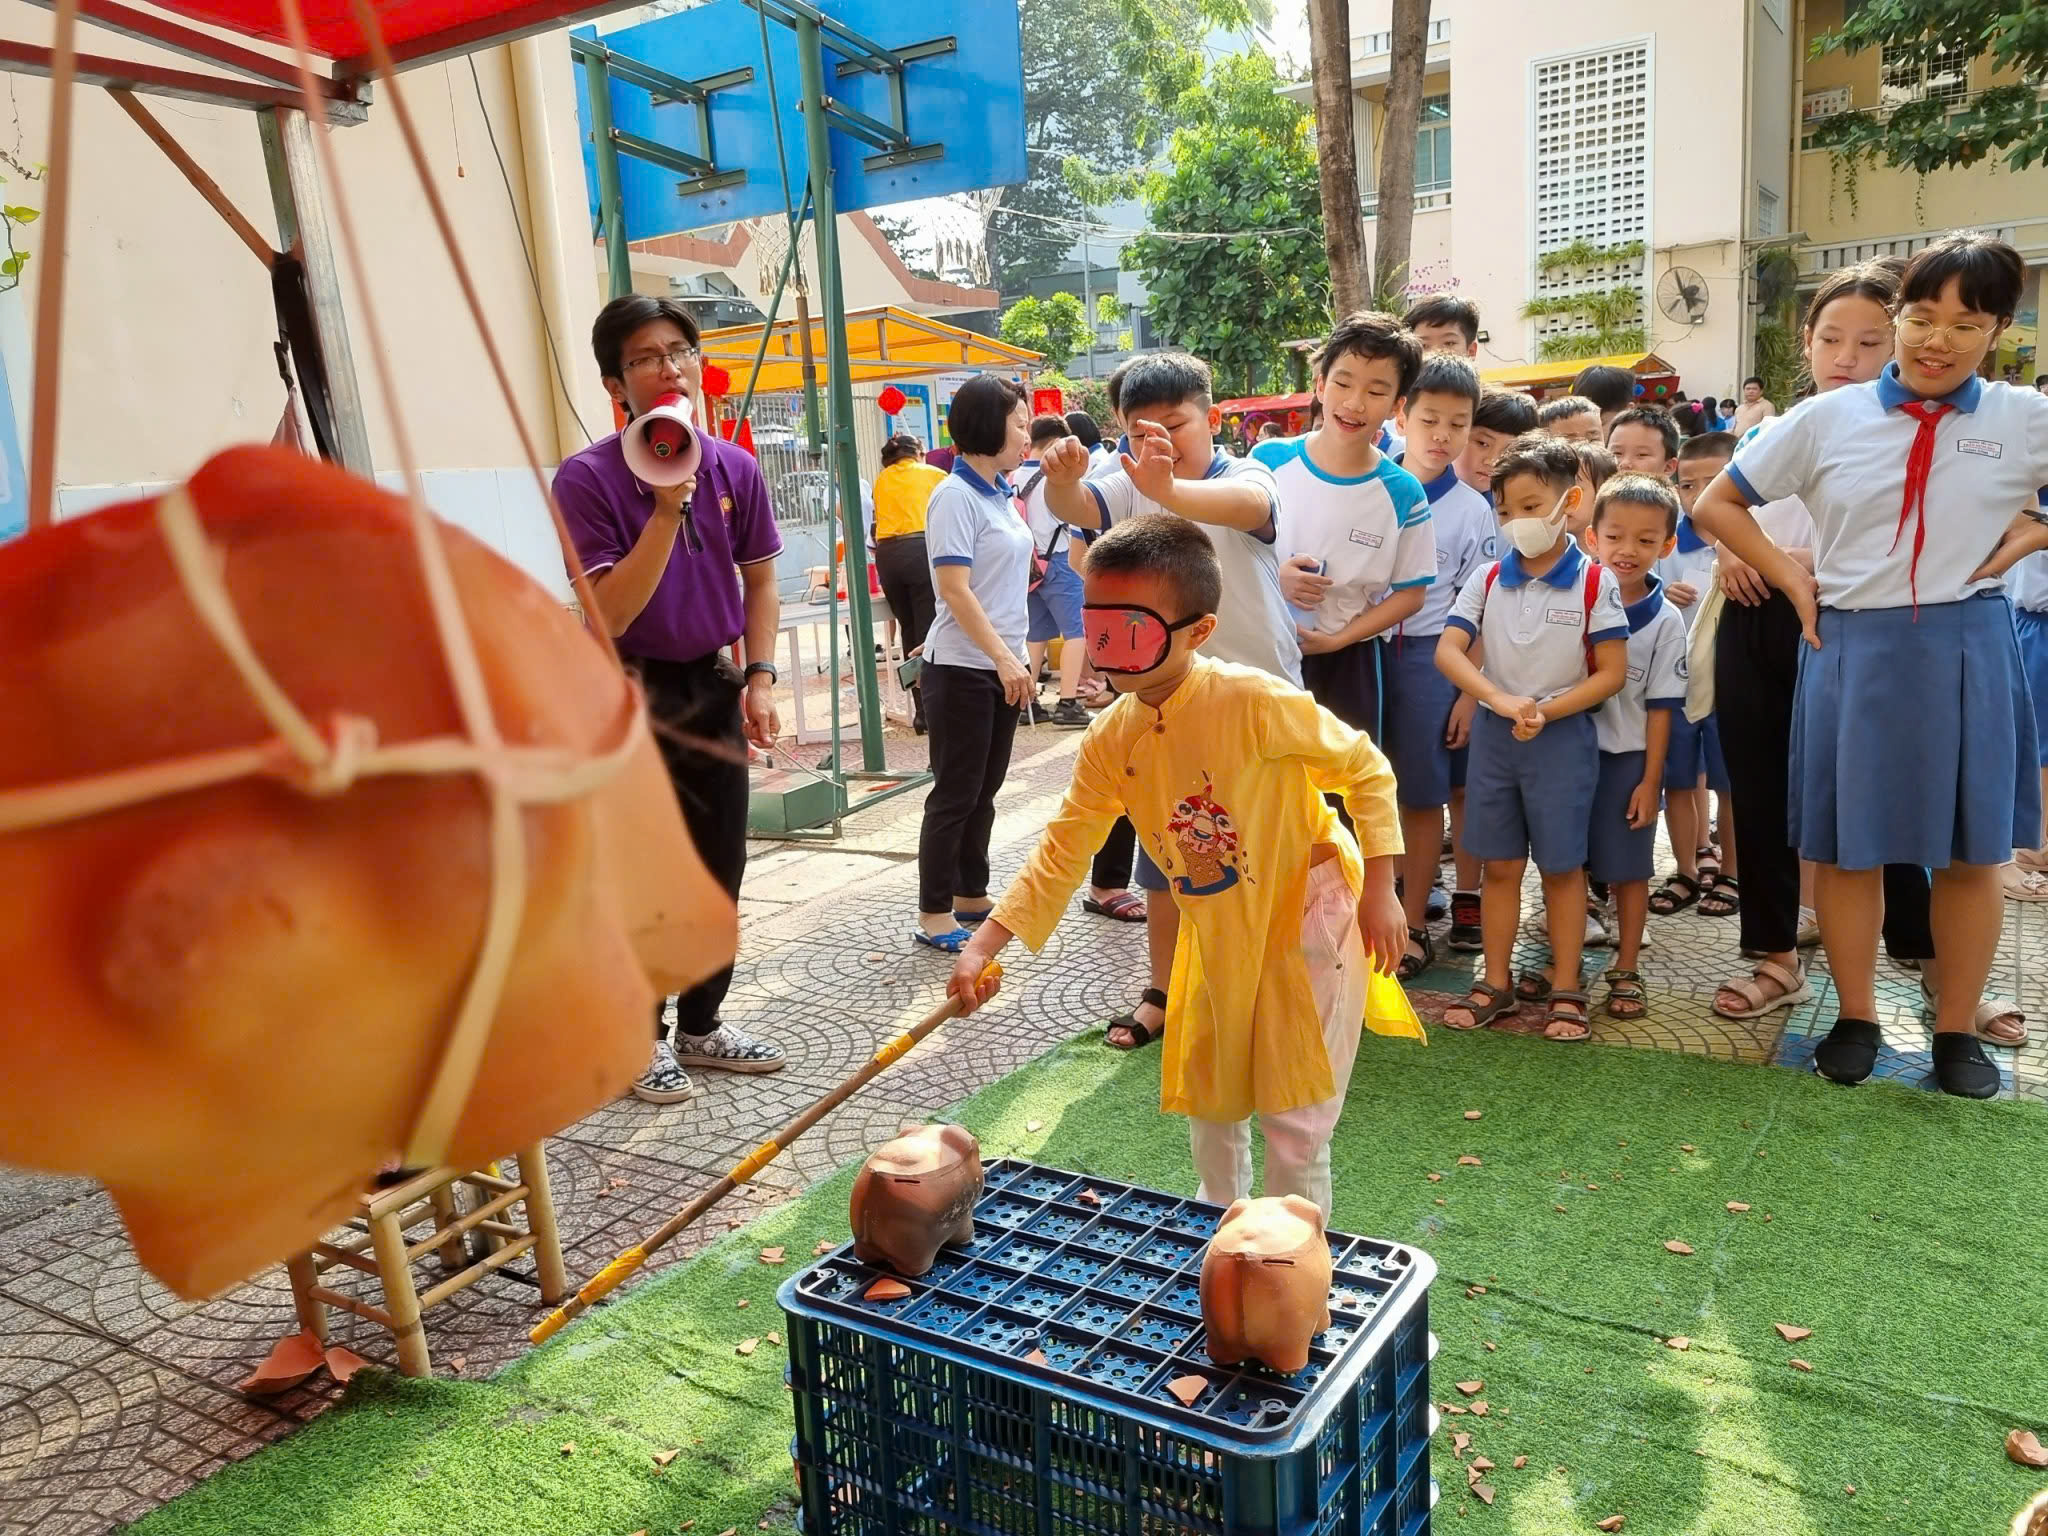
[
  {"x": 1412, "y": 966},
  {"x": 1721, "y": 899},
  {"x": 1128, "y": 1023},
  {"x": 1764, "y": 990},
  {"x": 1493, "y": 1002},
  {"x": 946, "y": 943},
  {"x": 1674, "y": 895},
  {"x": 1626, "y": 999},
  {"x": 1570, "y": 1010},
  {"x": 1709, "y": 861},
  {"x": 1991, "y": 1014},
  {"x": 1534, "y": 987},
  {"x": 1123, "y": 907}
]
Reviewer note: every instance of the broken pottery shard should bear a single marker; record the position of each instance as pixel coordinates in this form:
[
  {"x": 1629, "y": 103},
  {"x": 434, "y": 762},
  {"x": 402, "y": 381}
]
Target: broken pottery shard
[
  {"x": 663, "y": 1458},
  {"x": 343, "y": 1363},
  {"x": 1678, "y": 1341},
  {"x": 771, "y": 1255},
  {"x": 1612, "y": 1523},
  {"x": 1800, "y": 1365},
  {"x": 1737, "y": 1206},
  {"x": 1675, "y": 1246},
  {"x": 1791, "y": 1334},
  {"x": 1471, "y": 1114},
  {"x": 1469, "y": 1161},
  {"x": 1471, "y": 1388},
  {"x": 1188, "y": 1389},
  {"x": 886, "y": 1289},
  {"x": 2025, "y": 1448},
  {"x": 290, "y": 1361},
  {"x": 1483, "y": 1492},
  {"x": 746, "y": 1346}
]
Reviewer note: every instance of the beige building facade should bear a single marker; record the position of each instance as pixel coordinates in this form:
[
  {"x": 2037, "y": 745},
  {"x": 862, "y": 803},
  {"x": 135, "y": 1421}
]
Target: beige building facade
[{"x": 1576, "y": 152}]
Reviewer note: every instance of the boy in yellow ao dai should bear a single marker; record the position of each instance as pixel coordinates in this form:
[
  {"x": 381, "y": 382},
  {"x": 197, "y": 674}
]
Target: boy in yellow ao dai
[{"x": 1223, "y": 770}]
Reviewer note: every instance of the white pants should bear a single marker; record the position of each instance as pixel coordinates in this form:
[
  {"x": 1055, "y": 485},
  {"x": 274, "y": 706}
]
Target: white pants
[{"x": 1298, "y": 1140}]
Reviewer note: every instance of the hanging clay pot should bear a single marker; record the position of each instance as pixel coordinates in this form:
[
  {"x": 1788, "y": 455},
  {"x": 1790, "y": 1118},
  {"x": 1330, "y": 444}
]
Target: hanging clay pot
[
  {"x": 914, "y": 1196},
  {"x": 1266, "y": 1284}
]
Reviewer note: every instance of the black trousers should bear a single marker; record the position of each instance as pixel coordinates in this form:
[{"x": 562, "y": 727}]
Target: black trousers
[
  {"x": 1756, "y": 680},
  {"x": 1115, "y": 858},
  {"x": 699, "y": 701},
  {"x": 970, "y": 726},
  {"x": 906, "y": 577}
]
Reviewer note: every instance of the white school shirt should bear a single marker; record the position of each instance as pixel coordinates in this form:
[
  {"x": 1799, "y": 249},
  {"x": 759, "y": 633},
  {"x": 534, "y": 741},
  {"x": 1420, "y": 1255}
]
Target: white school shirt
[
  {"x": 1692, "y": 562},
  {"x": 1534, "y": 628},
  {"x": 1253, "y": 626},
  {"x": 1656, "y": 673},
  {"x": 1785, "y": 522},
  {"x": 1045, "y": 528},
  {"x": 1467, "y": 536},
  {"x": 1844, "y": 454},
  {"x": 1370, "y": 531}
]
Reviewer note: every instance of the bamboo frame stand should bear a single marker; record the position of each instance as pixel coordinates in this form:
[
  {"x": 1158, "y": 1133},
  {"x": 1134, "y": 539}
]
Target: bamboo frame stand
[{"x": 473, "y": 1236}]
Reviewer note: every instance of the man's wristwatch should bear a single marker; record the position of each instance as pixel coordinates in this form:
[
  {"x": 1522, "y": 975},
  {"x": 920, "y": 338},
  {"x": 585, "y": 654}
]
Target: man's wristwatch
[
  {"x": 766, "y": 668},
  {"x": 2037, "y": 513}
]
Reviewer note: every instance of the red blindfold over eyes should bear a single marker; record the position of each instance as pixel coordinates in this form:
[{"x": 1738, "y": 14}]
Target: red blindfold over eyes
[{"x": 1126, "y": 639}]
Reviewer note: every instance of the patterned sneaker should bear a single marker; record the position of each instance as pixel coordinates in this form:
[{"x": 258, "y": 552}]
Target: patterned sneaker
[
  {"x": 727, "y": 1049},
  {"x": 1465, "y": 936},
  {"x": 663, "y": 1082}
]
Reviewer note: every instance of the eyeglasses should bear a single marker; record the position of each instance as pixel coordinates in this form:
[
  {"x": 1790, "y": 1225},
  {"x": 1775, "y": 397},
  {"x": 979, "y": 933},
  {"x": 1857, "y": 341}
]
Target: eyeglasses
[
  {"x": 677, "y": 358},
  {"x": 1916, "y": 332}
]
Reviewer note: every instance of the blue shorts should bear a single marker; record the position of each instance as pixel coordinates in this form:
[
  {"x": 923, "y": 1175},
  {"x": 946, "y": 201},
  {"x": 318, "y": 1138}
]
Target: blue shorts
[
  {"x": 1694, "y": 749},
  {"x": 2033, "y": 632},
  {"x": 1415, "y": 708},
  {"x": 1056, "y": 605},
  {"x": 1461, "y": 760},
  {"x": 1146, "y": 875},
  {"x": 1531, "y": 799},
  {"x": 1615, "y": 851}
]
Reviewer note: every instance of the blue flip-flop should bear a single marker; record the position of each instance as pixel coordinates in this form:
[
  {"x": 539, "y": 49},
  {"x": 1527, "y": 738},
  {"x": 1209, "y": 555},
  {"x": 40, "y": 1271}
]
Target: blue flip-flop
[
  {"x": 969, "y": 919},
  {"x": 946, "y": 943}
]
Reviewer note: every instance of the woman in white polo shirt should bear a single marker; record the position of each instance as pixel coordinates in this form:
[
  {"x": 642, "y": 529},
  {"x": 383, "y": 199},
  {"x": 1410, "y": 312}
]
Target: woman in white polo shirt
[{"x": 1913, "y": 736}]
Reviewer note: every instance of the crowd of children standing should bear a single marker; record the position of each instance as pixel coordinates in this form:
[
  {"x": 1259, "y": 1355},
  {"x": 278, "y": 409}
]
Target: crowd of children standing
[{"x": 1557, "y": 625}]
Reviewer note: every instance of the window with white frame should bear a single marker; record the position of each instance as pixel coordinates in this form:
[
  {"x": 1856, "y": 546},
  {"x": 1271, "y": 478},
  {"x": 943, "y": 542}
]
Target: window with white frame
[
  {"x": 1766, "y": 211},
  {"x": 1906, "y": 76},
  {"x": 1592, "y": 138},
  {"x": 1432, "y": 159}
]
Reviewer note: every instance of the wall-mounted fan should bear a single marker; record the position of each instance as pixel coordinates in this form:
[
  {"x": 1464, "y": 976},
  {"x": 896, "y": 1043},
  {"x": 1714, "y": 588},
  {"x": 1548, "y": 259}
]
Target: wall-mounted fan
[{"x": 1682, "y": 295}]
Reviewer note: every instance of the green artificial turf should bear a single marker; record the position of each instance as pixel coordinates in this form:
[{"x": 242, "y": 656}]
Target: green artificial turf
[{"x": 1906, "y": 1229}]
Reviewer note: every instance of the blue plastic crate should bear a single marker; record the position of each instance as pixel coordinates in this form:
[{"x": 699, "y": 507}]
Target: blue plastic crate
[{"x": 1023, "y": 1387}]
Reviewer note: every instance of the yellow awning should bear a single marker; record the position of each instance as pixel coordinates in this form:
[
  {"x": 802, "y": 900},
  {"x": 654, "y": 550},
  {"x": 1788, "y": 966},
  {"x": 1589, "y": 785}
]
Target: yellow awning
[
  {"x": 884, "y": 343},
  {"x": 1543, "y": 375}
]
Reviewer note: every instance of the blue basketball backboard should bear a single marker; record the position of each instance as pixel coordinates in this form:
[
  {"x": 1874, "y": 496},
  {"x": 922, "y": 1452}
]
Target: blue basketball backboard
[{"x": 962, "y": 108}]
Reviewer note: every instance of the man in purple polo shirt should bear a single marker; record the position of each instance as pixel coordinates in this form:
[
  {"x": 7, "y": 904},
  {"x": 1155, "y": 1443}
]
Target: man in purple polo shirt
[{"x": 680, "y": 573}]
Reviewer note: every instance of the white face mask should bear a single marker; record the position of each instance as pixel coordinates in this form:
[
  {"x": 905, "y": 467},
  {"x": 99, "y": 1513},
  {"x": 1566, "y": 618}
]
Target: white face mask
[{"x": 1534, "y": 536}]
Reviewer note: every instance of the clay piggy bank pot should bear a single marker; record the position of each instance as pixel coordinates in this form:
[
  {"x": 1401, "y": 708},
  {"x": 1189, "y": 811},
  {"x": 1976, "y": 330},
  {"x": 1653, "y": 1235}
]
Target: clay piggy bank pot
[
  {"x": 914, "y": 1196},
  {"x": 1266, "y": 1284}
]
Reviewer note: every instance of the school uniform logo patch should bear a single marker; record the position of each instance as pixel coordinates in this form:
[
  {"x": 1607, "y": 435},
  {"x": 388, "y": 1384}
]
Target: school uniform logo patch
[
  {"x": 1369, "y": 540},
  {"x": 1684, "y": 667},
  {"x": 1637, "y": 674},
  {"x": 1569, "y": 618},
  {"x": 1982, "y": 447}
]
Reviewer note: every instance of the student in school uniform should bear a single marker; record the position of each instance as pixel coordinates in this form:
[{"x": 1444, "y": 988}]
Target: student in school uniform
[
  {"x": 1352, "y": 520},
  {"x": 2028, "y": 584},
  {"x": 1555, "y": 638},
  {"x": 1913, "y": 738}
]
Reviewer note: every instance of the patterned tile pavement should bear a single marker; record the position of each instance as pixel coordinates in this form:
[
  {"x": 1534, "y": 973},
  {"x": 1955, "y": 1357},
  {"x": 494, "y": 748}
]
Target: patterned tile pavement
[{"x": 115, "y": 1396}]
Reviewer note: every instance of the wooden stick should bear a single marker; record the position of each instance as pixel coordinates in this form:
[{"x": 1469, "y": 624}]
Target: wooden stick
[
  {"x": 202, "y": 183},
  {"x": 615, "y": 1274},
  {"x": 49, "y": 360}
]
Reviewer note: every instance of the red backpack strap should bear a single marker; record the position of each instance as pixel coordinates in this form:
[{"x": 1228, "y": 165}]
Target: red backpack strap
[
  {"x": 1592, "y": 594},
  {"x": 1492, "y": 571}
]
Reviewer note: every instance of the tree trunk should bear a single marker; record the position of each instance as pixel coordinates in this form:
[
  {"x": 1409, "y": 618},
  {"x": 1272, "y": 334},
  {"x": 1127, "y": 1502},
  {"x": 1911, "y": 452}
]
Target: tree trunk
[
  {"x": 1329, "y": 47},
  {"x": 1396, "y": 216}
]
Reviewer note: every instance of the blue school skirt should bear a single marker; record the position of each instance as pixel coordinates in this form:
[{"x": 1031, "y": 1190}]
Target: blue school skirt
[
  {"x": 2033, "y": 632},
  {"x": 1913, "y": 738}
]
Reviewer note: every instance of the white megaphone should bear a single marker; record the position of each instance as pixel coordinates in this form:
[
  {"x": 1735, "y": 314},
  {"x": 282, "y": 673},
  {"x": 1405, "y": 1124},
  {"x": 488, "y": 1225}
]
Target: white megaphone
[{"x": 661, "y": 445}]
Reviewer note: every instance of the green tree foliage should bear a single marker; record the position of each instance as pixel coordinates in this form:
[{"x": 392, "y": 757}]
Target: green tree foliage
[
  {"x": 1241, "y": 161},
  {"x": 1096, "y": 76},
  {"x": 1926, "y": 136},
  {"x": 1055, "y": 326}
]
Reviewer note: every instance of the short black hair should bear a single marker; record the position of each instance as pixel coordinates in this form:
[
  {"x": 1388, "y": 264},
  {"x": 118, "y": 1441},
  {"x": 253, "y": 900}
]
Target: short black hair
[
  {"x": 1549, "y": 459},
  {"x": 1507, "y": 411},
  {"x": 979, "y": 420},
  {"x": 1271, "y": 429},
  {"x": 901, "y": 447},
  {"x": 1728, "y": 407},
  {"x": 1161, "y": 544},
  {"x": 1113, "y": 386},
  {"x": 1085, "y": 427},
  {"x": 1446, "y": 373},
  {"x": 625, "y": 315},
  {"x": 1597, "y": 462},
  {"x": 1445, "y": 309},
  {"x": 1047, "y": 429},
  {"x": 1372, "y": 334},
  {"x": 1608, "y": 387},
  {"x": 1753, "y": 379},
  {"x": 1165, "y": 378},
  {"x": 1708, "y": 445},
  {"x": 1643, "y": 491},
  {"x": 1989, "y": 274},
  {"x": 1656, "y": 418},
  {"x": 1563, "y": 408}
]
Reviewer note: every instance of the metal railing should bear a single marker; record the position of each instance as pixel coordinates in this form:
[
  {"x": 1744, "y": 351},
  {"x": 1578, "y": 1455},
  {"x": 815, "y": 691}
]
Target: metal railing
[{"x": 1377, "y": 45}]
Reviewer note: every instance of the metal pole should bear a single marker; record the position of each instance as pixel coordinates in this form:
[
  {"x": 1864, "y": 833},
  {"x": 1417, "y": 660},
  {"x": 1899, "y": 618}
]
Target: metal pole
[
  {"x": 302, "y": 231},
  {"x": 611, "y": 201},
  {"x": 1087, "y": 304},
  {"x": 838, "y": 379}
]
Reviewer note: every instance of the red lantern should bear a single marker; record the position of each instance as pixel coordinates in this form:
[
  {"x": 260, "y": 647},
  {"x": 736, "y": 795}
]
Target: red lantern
[
  {"x": 716, "y": 380},
  {"x": 892, "y": 400},
  {"x": 1048, "y": 402}
]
